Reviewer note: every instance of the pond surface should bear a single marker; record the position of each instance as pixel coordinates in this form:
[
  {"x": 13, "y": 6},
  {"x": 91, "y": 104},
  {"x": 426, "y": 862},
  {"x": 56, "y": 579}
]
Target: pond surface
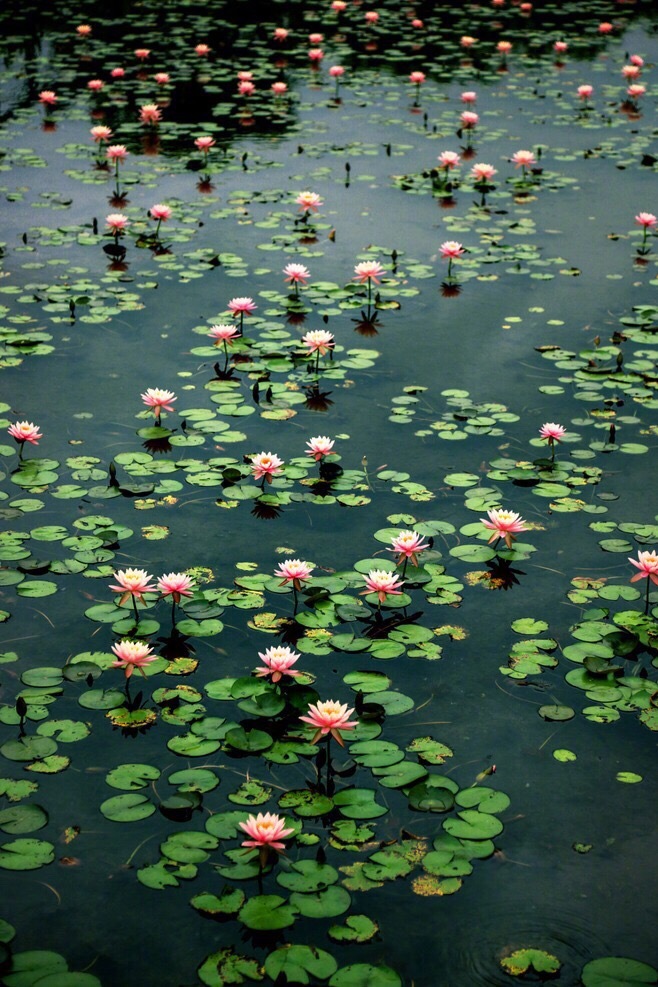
[{"x": 491, "y": 817}]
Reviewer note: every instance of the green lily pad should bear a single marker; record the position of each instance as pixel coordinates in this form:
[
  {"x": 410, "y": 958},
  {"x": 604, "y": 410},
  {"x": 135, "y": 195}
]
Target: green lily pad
[
  {"x": 365, "y": 975},
  {"x": 127, "y": 808},
  {"x": 617, "y": 971},
  {"x": 300, "y": 964},
  {"x": 130, "y": 777},
  {"x": 26, "y": 854},
  {"x": 522, "y": 960},
  {"x": 267, "y": 912},
  {"x": 357, "y": 928},
  {"x": 473, "y": 825},
  {"x": 228, "y": 967}
]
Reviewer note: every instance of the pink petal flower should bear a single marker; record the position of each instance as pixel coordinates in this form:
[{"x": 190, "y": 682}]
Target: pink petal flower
[
  {"x": 25, "y": 432},
  {"x": 383, "y": 583},
  {"x": 552, "y": 432},
  {"x": 160, "y": 212},
  {"x": 241, "y": 305},
  {"x": 504, "y": 524},
  {"x": 266, "y": 830},
  {"x": 224, "y": 333},
  {"x": 368, "y": 270},
  {"x": 319, "y": 447},
  {"x": 451, "y": 249},
  {"x": 329, "y": 717},
  {"x": 308, "y": 201},
  {"x": 132, "y": 582},
  {"x": 132, "y": 655},
  {"x": 159, "y": 400},
  {"x": 117, "y": 152},
  {"x": 408, "y": 544},
  {"x": 267, "y": 465},
  {"x": 318, "y": 340},
  {"x": 296, "y": 273},
  {"x": 277, "y": 662},
  {"x": 647, "y": 563},
  {"x": 176, "y": 585},
  {"x": 294, "y": 571}
]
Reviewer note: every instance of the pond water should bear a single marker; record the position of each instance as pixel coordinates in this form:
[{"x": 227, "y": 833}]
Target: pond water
[{"x": 491, "y": 817}]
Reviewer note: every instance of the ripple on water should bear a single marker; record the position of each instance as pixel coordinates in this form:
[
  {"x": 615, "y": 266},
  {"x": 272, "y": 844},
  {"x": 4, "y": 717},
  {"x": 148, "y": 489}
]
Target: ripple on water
[{"x": 473, "y": 960}]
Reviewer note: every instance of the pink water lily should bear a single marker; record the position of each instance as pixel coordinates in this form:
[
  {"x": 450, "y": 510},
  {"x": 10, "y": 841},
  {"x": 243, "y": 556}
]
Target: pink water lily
[
  {"x": 368, "y": 270},
  {"x": 132, "y": 583},
  {"x": 647, "y": 221},
  {"x": 631, "y": 71},
  {"x": 523, "y": 159},
  {"x": 308, "y": 202},
  {"x": 585, "y": 91},
  {"x": 265, "y": 465},
  {"x": 118, "y": 72},
  {"x": 116, "y": 223},
  {"x": 552, "y": 432},
  {"x": 267, "y": 830},
  {"x": 296, "y": 274},
  {"x": 23, "y": 432},
  {"x": 319, "y": 447},
  {"x": 95, "y": 85},
  {"x": 132, "y": 655},
  {"x": 469, "y": 96},
  {"x": 160, "y": 212},
  {"x": 150, "y": 114},
  {"x": 329, "y": 718},
  {"x": 451, "y": 249},
  {"x": 116, "y": 153},
  {"x": 159, "y": 400},
  {"x": 205, "y": 143},
  {"x": 635, "y": 91},
  {"x": 469, "y": 120},
  {"x": 142, "y": 53},
  {"x": 647, "y": 563},
  {"x": 318, "y": 341},
  {"x": 280, "y": 33},
  {"x": 408, "y": 545},
  {"x": 47, "y": 97},
  {"x": 482, "y": 173},
  {"x": 504, "y": 524},
  {"x": 100, "y": 133},
  {"x": 176, "y": 585},
  {"x": 241, "y": 306},
  {"x": 224, "y": 333},
  {"x": 448, "y": 160},
  {"x": 277, "y": 662},
  {"x": 162, "y": 78},
  {"x": 383, "y": 583},
  {"x": 84, "y": 30},
  {"x": 294, "y": 571},
  {"x": 202, "y": 49},
  {"x": 279, "y": 88}
]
